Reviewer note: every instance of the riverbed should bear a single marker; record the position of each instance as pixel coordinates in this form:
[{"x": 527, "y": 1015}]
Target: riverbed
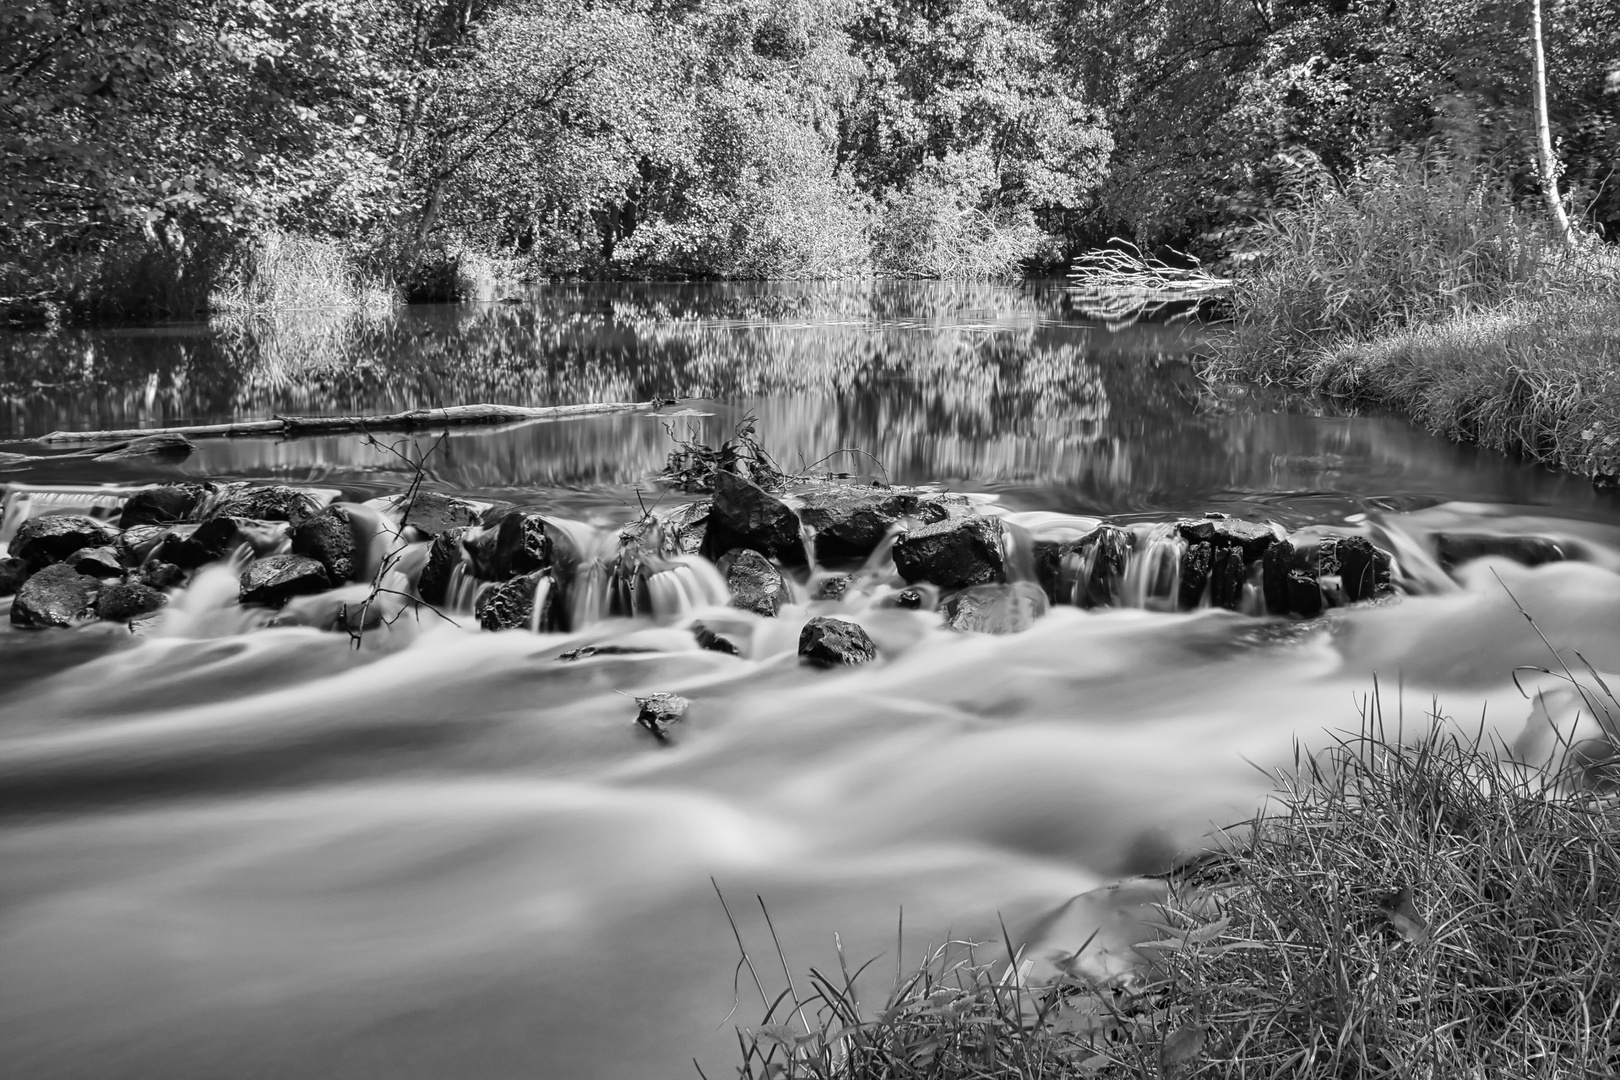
[{"x": 232, "y": 850}]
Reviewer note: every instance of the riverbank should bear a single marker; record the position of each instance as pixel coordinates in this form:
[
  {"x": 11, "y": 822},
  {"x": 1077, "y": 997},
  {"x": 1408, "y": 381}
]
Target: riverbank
[{"x": 1424, "y": 909}]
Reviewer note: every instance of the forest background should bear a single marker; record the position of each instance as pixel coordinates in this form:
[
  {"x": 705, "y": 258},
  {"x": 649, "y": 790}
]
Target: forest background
[{"x": 162, "y": 156}]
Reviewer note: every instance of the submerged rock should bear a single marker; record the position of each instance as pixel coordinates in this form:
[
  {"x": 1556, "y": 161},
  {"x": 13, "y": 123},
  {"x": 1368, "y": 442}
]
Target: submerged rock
[
  {"x": 995, "y": 609},
  {"x": 1454, "y": 549},
  {"x": 41, "y": 541},
  {"x": 436, "y": 514},
  {"x": 163, "y": 505},
  {"x": 328, "y": 538},
  {"x": 745, "y": 515},
  {"x": 276, "y": 503},
  {"x": 127, "y": 600},
  {"x": 953, "y": 554},
  {"x": 708, "y": 639},
  {"x": 272, "y": 581},
  {"x": 850, "y": 522},
  {"x": 518, "y": 544},
  {"x": 828, "y": 642},
  {"x": 910, "y": 599},
  {"x": 755, "y": 584},
  {"x": 13, "y": 572},
  {"x": 57, "y": 596},
  {"x": 833, "y": 588},
  {"x": 510, "y": 605},
  {"x": 219, "y": 537},
  {"x": 444, "y": 555},
  {"x": 660, "y": 712}
]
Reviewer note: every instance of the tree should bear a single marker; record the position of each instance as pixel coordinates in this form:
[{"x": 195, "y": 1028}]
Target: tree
[{"x": 1544, "y": 146}]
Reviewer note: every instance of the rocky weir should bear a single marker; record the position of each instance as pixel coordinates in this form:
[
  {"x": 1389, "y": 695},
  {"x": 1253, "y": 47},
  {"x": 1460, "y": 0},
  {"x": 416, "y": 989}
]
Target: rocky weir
[{"x": 305, "y": 557}]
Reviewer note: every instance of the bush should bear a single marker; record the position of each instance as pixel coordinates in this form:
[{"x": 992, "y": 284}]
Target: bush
[
  {"x": 938, "y": 226},
  {"x": 279, "y": 271}
]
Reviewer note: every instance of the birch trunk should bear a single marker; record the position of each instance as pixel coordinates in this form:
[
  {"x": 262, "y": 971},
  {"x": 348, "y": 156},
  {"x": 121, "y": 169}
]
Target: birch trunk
[{"x": 1544, "y": 147}]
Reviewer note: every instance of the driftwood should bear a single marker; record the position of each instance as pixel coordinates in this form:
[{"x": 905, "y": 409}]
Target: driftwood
[{"x": 338, "y": 425}]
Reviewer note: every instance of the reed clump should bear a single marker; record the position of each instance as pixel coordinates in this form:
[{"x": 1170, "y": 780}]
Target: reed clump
[
  {"x": 1413, "y": 910},
  {"x": 1427, "y": 288},
  {"x": 279, "y": 271}
]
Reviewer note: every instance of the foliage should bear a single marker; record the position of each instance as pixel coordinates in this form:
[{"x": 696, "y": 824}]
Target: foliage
[{"x": 693, "y": 465}]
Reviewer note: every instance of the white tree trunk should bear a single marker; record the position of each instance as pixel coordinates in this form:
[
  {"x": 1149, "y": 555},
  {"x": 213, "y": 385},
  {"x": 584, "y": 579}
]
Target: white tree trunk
[{"x": 1549, "y": 169}]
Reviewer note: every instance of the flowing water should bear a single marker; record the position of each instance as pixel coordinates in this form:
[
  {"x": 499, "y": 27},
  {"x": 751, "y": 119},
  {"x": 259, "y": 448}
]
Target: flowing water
[{"x": 450, "y": 853}]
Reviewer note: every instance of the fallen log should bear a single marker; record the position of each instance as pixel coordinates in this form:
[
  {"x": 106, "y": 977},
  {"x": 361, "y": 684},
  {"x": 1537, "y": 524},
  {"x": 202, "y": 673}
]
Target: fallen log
[{"x": 451, "y": 416}]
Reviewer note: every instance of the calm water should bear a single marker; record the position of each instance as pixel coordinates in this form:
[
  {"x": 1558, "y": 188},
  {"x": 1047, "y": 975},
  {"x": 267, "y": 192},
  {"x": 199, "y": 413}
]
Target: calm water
[{"x": 266, "y": 855}]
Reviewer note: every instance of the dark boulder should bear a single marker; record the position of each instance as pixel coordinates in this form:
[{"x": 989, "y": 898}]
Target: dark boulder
[
  {"x": 708, "y": 639},
  {"x": 56, "y": 596},
  {"x": 1362, "y": 567},
  {"x": 436, "y": 514},
  {"x": 269, "y": 504},
  {"x": 832, "y": 642},
  {"x": 1278, "y": 562},
  {"x": 755, "y": 584},
  {"x": 444, "y": 555},
  {"x": 1454, "y": 549},
  {"x": 833, "y": 588},
  {"x": 510, "y": 605},
  {"x": 953, "y": 554},
  {"x": 1196, "y": 561},
  {"x": 1227, "y": 575},
  {"x": 745, "y": 515},
  {"x": 1221, "y": 532},
  {"x": 272, "y": 581},
  {"x": 127, "y": 600},
  {"x": 41, "y": 541},
  {"x": 940, "y": 508},
  {"x": 995, "y": 609},
  {"x": 850, "y": 522},
  {"x": 1304, "y": 594},
  {"x": 219, "y": 537},
  {"x": 159, "y": 574},
  {"x": 660, "y": 712},
  {"x": 164, "y": 505},
  {"x": 139, "y": 541},
  {"x": 518, "y": 544},
  {"x": 329, "y": 538},
  {"x": 910, "y": 599},
  {"x": 96, "y": 562},
  {"x": 13, "y": 572}
]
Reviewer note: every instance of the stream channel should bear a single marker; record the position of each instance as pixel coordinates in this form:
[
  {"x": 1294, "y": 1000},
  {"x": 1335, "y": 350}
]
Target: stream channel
[{"x": 228, "y": 850}]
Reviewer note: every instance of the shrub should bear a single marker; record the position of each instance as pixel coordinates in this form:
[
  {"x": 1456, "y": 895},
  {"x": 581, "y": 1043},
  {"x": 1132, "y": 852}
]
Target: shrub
[{"x": 279, "y": 271}]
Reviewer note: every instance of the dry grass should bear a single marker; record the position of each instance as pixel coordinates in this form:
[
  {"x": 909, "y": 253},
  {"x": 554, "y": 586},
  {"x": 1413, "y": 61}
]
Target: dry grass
[{"x": 282, "y": 272}]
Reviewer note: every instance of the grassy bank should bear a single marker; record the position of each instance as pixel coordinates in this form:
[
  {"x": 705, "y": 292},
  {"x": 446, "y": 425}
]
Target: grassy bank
[
  {"x": 1406, "y": 911},
  {"x": 1425, "y": 289}
]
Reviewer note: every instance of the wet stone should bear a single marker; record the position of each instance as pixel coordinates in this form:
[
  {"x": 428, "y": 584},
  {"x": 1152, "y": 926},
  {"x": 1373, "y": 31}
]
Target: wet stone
[
  {"x": 1275, "y": 566},
  {"x": 708, "y": 639},
  {"x": 164, "y": 505},
  {"x": 160, "y": 575},
  {"x": 833, "y": 588},
  {"x": 909, "y": 599},
  {"x": 41, "y": 541},
  {"x": 1454, "y": 549},
  {"x": 995, "y": 609},
  {"x": 328, "y": 538},
  {"x": 510, "y": 604},
  {"x": 139, "y": 541},
  {"x": 57, "y": 596},
  {"x": 1227, "y": 574},
  {"x": 219, "y": 537},
  {"x": 660, "y": 712},
  {"x": 272, "y": 581},
  {"x": 125, "y": 601},
  {"x": 828, "y": 642},
  {"x": 1195, "y": 567},
  {"x": 953, "y": 554},
  {"x": 13, "y": 572},
  {"x": 518, "y": 544},
  {"x": 850, "y": 522},
  {"x": 96, "y": 562},
  {"x": 1363, "y": 568},
  {"x": 745, "y": 515},
  {"x": 444, "y": 555},
  {"x": 436, "y": 514},
  {"x": 1222, "y": 532},
  {"x": 755, "y": 584},
  {"x": 269, "y": 504},
  {"x": 1304, "y": 594}
]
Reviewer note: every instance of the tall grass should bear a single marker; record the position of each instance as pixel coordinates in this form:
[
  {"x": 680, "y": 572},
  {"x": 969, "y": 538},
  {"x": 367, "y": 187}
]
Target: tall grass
[
  {"x": 279, "y": 271},
  {"x": 1427, "y": 288},
  {"x": 1419, "y": 911}
]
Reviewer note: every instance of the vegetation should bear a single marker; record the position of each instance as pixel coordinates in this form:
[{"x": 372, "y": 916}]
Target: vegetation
[
  {"x": 1407, "y": 910},
  {"x": 152, "y": 151}
]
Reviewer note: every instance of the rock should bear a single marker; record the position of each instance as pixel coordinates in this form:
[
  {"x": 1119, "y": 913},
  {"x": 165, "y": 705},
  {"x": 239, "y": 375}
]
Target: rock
[
  {"x": 159, "y": 574},
  {"x": 128, "y": 600},
  {"x": 1362, "y": 567},
  {"x": 659, "y": 712},
  {"x": 708, "y": 639},
  {"x": 943, "y": 508},
  {"x": 755, "y": 584},
  {"x": 745, "y": 515},
  {"x": 1275, "y": 566},
  {"x": 850, "y": 522},
  {"x": 166, "y": 447},
  {"x": 518, "y": 544},
  {"x": 1227, "y": 575},
  {"x": 96, "y": 562},
  {"x": 269, "y": 504},
  {"x": 328, "y": 538},
  {"x": 833, "y": 588},
  {"x": 909, "y": 599},
  {"x": 1454, "y": 549},
  {"x": 1221, "y": 532},
  {"x": 685, "y": 530},
  {"x": 1304, "y": 594},
  {"x": 164, "y": 505},
  {"x": 41, "y": 541},
  {"x": 828, "y": 642},
  {"x": 56, "y": 596},
  {"x": 444, "y": 555},
  {"x": 995, "y": 609},
  {"x": 13, "y": 572},
  {"x": 139, "y": 541},
  {"x": 510, "y": 605},
  {"x": 1195, "y": 566},
  {"x": 436, "y": 514},
  {"x": 219, "y": 537},
  {"x": 953, "y": 554},
  {"x": 585, "y": 652},
  {"x": 272, "y": 581}
]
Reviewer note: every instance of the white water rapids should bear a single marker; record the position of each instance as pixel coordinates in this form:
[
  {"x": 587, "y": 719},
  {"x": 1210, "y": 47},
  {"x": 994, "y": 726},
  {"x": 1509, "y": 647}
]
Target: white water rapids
[{"x": 452, "y": 854}]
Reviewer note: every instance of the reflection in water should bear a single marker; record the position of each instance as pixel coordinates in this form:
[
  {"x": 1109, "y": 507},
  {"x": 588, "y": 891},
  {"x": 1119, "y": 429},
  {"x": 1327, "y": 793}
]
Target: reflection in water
[{"x": 451, "y": 853}]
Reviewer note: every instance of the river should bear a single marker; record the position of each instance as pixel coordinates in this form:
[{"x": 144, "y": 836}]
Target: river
[{"x": 449, "y": 853}]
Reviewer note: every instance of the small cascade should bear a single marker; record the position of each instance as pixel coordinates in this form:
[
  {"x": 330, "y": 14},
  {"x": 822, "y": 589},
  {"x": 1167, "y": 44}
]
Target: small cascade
[
  {"x": 461, "y": 591},
  {"x": 882, "y": 557},
  {"x": 590, "y": 601},
  {"x": 1153, "y": 573},
  {"x": 807, "y": 537},
  {"x": 686, "y": 585},
  {"x": 542, "y": 596},
  {"x": 23, "y": 501}
]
